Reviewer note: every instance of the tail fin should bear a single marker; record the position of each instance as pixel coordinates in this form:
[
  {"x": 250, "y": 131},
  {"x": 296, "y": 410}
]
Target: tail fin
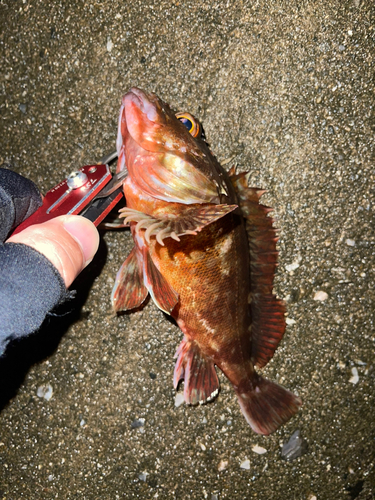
[{"x": 267, "y": 405}]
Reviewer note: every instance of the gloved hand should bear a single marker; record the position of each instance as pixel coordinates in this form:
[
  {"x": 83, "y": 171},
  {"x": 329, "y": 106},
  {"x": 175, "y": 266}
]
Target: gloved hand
[
  {"x": 39, "y": 263},
  {"x": 69, "y": 242}
]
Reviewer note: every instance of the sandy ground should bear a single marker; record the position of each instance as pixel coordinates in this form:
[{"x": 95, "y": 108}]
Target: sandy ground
[{"x": 286, "y": 90}]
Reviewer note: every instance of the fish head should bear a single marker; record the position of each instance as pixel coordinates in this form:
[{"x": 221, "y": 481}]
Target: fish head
[{"x": 166, "y": 159}]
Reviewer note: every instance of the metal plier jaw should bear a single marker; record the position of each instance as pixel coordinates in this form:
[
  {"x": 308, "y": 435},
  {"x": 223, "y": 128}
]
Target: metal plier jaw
[{"x": 91, "y": 191}]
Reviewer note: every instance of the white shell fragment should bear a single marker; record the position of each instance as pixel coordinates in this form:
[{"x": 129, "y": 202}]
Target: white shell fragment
[
  {"x": 354, "y": 379},
  {"x": 293, "y": 266},
  {"x": 45, "y": 391},
  {"x": 143, "y": 476},
  {"x": 109, "y": 45},
  {"x": 258, "y": 449},
  {"x": 245, "y": 464},
  {"x": 222, "y": 465},
  {"x": 350, "y": 243},
  {"x": 290, "y": 321},
  {"x": 321, "y": 296},
  {"x": 360, "y": 362},
  {"x": 179, "y": 399}
]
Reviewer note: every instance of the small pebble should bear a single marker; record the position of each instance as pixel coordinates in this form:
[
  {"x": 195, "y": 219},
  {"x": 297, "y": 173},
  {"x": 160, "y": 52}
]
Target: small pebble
[
  {"x": 295, "y": 447},
  {"x": 354, "y": 379},
  {"x": 258, "y": 449},
  {"x": 350, "y": 243},
  {"x": 179, "y": 399},
  {"x": 45, "y": 391},
  {"x": 290, "y": 321},
  {"x": 245, "y": 464},
  {"x": 137, "y": 423},
  {"x": 321, "y": 296},
  {"x": 22, "y": 108}
]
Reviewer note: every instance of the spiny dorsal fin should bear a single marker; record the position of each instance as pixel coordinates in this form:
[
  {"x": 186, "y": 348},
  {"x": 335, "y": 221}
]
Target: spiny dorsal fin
[
  {"x": 267, "y": 311},
  {"x": 190, "y": 220}
]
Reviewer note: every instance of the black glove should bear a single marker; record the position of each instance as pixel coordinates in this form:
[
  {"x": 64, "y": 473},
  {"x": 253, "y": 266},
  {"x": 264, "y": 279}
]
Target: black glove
[
  {"x": 30, "y": 286},
  {"x": 19, "y": 198}
]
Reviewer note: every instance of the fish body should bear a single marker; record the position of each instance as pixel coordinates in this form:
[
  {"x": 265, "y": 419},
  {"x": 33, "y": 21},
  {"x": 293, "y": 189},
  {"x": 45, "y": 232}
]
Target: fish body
[{"x": 203, "y": 245}]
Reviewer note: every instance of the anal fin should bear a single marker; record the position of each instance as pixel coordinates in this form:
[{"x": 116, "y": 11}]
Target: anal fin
[
  {"x": 201, "y": 383},
  {"x": 267, "y": 311},
  {"x": 129, "y": 290}
]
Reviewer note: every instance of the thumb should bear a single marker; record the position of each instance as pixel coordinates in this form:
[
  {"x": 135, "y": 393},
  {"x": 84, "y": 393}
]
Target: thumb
[{"x": 69, "y": 242}]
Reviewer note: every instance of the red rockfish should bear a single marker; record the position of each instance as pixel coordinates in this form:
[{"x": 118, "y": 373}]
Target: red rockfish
[{"x": 205, "y": 250}]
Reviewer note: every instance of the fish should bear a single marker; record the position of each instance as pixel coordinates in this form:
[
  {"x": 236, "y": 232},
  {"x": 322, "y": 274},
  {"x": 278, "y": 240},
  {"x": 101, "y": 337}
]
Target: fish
[{"x": 205, "y": 251}]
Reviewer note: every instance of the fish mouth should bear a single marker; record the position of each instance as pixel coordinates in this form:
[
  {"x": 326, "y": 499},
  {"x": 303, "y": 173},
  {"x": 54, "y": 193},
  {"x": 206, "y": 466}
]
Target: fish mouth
[{"x": 136, "y": 97}]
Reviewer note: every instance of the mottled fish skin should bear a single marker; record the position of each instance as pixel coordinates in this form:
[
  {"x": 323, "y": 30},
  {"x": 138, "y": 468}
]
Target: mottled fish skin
[{"x": 191, "y": 249}]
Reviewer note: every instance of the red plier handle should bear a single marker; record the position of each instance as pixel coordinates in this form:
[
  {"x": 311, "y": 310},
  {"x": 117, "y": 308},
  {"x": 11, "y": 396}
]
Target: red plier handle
[{"x": 90, "y": 191}]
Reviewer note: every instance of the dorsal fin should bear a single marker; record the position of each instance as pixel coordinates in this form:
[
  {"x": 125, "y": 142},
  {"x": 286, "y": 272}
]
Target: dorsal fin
[{"x": 267, "y": 311}]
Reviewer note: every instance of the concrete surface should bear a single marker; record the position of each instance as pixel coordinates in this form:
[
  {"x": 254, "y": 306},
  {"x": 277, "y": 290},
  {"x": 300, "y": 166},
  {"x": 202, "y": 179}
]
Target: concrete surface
[{"x": 287, "y": 90}]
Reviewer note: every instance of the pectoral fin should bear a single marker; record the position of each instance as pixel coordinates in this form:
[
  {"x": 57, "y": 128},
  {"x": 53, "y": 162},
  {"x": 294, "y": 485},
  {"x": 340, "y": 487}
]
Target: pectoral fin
[
  {"x": 137, "y": 277},
  {"x": 129, "y": 290},
  {"x": 161, "y": 292},
  {"x": 189, "y": 220}
]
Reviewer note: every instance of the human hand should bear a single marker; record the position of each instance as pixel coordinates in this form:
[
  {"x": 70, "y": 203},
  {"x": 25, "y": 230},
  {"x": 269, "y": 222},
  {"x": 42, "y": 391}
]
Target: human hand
[
  {"x": 69, "y": 242},
  {"x": 30, "y": 287}
]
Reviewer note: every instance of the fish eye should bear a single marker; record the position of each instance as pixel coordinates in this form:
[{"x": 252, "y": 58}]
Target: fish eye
[{"x": 190, "y": 123}]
